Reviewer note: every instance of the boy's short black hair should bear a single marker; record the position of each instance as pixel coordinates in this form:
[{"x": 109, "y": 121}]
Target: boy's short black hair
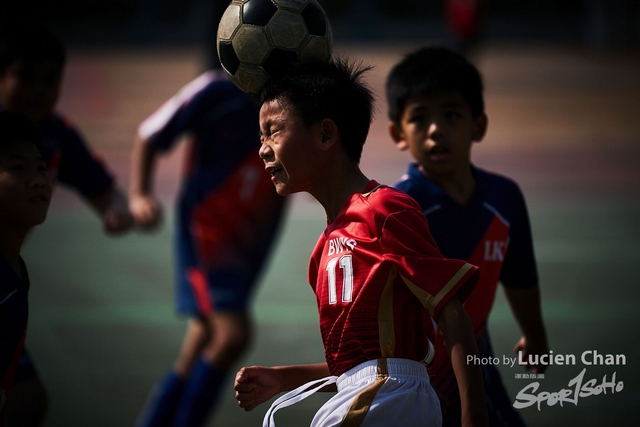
[
  {"x": 29, "y": 41},
  {"x": 16, "y": 127},
  {"x": 430, "y": 70},
  {"x": 333, "y": 90}
]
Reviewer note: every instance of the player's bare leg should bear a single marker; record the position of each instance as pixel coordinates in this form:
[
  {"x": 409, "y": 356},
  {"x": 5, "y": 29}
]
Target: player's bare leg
[
  {"x": 195, "y": 338},
  {"x": 189, "y": 392},
  {"x": 229, "y": 337}
]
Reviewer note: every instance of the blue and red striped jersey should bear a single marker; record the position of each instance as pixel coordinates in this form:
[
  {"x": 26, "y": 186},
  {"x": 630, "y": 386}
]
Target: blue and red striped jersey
[
  {"x": 492, "y": 231},
  {"x": 227, "y": 201}
]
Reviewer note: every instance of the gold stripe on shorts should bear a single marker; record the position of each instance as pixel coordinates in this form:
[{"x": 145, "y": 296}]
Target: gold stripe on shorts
[{"x": 361, "y": 403}]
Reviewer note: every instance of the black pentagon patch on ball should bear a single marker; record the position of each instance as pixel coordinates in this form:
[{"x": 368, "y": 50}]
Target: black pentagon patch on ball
[
  {"x": 278, "y": 61},
  {"x": 258, "y": 12},
  {"x": 228, "y": 57},
  {"x": 315, "y": 20}
]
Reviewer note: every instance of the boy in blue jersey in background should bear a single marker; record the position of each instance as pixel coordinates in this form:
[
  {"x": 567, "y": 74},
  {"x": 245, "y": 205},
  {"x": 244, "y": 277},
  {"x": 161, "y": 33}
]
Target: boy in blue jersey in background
[
  {"x": 436, "y": 108},
  {"x": 226, "y": 223},
  {"x": 31, "y": 65},
  {"x": 25, "y": 194}
]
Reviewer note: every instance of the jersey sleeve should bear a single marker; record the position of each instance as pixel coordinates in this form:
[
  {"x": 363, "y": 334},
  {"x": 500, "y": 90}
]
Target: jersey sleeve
[
  {"x": 175, "y": 117},
  {"x": 433, "y": 279},
  {"x": 519, "y": 269},
  {"x": 79, "y": 167}
]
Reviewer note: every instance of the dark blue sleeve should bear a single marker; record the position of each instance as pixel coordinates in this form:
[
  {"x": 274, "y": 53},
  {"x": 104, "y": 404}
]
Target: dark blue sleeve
[
  {"x": 182, "y": 113},
  {"x": 519, "y": 269},
  {"x": 181, "y": 122},
  {"x": 79, "y": 168}
]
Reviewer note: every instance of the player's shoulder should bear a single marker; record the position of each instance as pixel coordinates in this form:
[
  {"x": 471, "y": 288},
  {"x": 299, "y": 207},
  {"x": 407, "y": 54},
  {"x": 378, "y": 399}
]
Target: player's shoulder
[
  {"x": 501, "y": 193},
  {"x": 217, "y": 93},
  {"x": 59, "y": 127},
  {"x": 422, "y": 189},
  {"x": 214, "y": 83},
  {"x": 385, "y": 200},
  {"x": 211, "y": 80},
  {"x": 407, "y": 184},
  {"x": 496, "y": 183},
  {"x": 411, "y": 180},
  {"x": 206, "y": 83},
  {"x": 210, "y": 84},
  {"x": 57, "y": 121}
]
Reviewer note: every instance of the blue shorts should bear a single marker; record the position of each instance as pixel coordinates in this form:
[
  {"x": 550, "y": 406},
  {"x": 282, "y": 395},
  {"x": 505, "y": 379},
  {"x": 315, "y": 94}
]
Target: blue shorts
[
  {"x": 221, "y": 277},
  {"x": 200, "y": 292}
]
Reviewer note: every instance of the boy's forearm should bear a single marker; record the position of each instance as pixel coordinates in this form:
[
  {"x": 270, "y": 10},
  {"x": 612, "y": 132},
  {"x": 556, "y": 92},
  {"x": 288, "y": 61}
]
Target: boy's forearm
[
  {"x": 142, "y": 163},
  {"x": 293, "y": 376},
  {"x": 460, "y": 339},
  {"x": 104, "y": 200},
  {"x": 470, "y": 385},
  {"x": 527, "y": 309}
]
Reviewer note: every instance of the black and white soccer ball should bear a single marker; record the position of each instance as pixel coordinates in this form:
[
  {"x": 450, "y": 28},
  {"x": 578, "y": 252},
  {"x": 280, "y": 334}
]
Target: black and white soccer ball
[{"x": 257, "y": 38}]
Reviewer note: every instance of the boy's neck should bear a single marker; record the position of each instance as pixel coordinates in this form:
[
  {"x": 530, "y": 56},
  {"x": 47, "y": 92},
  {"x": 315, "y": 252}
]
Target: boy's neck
[
  {"x": 338, "y": 186},
  {"x": 459, "y": 185}
]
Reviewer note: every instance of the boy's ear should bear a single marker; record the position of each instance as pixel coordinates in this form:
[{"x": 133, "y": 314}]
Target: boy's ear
[
  {"x": 481, "y": 122},
  {"x": 329, "y": 133},
  {"x": 398, "y": 137}
]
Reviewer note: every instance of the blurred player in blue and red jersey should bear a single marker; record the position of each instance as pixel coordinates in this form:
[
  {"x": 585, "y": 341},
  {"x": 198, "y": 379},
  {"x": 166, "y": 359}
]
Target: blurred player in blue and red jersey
[
  {"x": 436, "y": 109},
  {"x": 227, "y": 220},
  {"x": 31, "y": 65},
  {"x": 25, "y": 194}
]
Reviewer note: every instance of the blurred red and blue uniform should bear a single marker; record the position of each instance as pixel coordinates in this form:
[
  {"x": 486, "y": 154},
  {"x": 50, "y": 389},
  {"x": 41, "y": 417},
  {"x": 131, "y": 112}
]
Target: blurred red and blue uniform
[
  {"x": 228, "y": 211},
  {"x": 491, "y": 231},
  {"x": 227, "y": 218}
]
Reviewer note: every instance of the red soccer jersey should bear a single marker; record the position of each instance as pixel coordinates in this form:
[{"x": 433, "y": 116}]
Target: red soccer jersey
[{"x": 378, "y": 274}]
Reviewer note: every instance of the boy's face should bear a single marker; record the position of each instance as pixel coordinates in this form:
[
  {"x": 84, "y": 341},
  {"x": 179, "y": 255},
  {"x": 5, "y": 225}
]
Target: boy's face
[
  {"x": 288, "y": 148},
  {"x": 25, "y": 188},
  {"x": 31, "y": 87},
  {"x": 438, "y": 131}
]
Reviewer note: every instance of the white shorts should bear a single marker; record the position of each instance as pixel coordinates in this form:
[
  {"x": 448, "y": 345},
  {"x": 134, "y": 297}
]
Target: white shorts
[{"x": 378, "y": 393}]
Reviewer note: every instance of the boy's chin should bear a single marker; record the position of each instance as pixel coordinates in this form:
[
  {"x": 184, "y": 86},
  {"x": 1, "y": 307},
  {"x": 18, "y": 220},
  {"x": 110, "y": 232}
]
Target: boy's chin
[
  {"x": 285, "y": 190},
  {"x": 38, "y": 219},
  {"x": 282, "y": 191}
]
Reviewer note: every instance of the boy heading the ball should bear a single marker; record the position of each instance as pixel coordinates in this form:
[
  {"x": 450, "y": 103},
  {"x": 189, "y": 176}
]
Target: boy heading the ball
[{"x": 376, "y": 271}]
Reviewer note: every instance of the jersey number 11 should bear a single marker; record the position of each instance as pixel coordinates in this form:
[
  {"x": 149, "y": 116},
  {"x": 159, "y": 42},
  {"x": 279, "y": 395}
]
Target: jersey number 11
[{"x": 346, "y": 264}]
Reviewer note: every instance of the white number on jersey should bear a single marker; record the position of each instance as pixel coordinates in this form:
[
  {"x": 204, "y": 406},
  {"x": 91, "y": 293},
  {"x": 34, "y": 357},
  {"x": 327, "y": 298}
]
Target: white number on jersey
[{"x": 346, "y": 264}]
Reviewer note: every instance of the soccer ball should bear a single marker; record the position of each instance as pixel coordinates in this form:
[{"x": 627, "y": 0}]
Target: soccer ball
[{"x": 257, "y": 38}]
